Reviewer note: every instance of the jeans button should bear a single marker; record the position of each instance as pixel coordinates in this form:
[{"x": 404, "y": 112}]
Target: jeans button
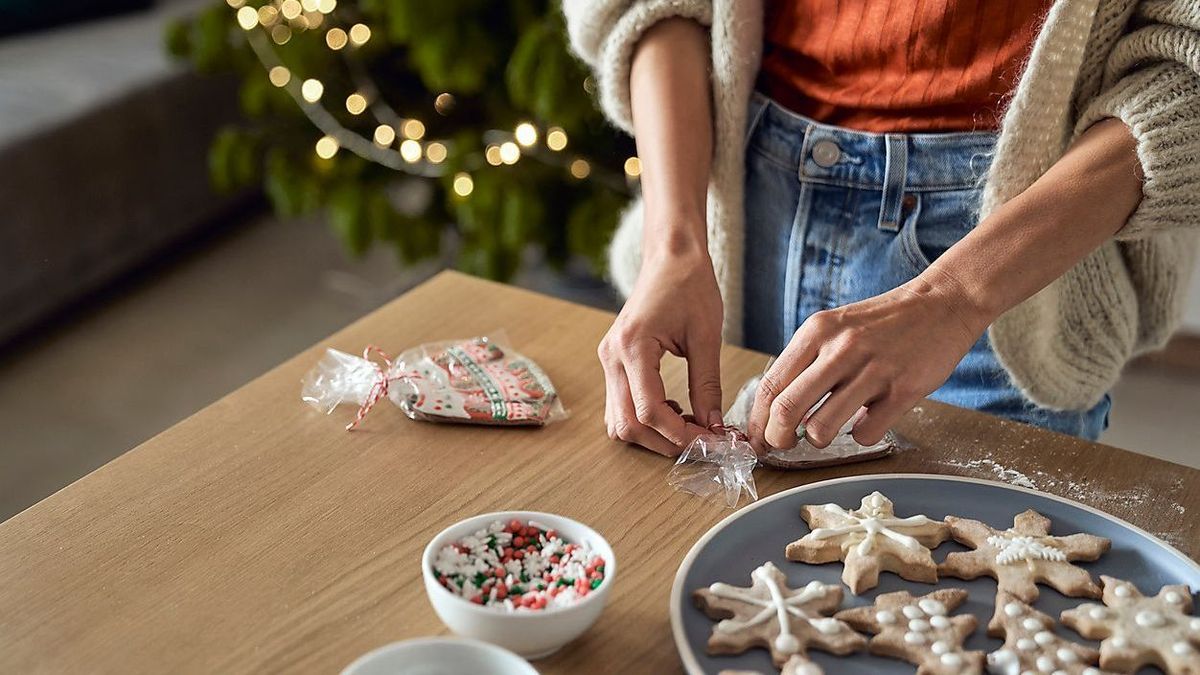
[{"x": 826, "y": 153}]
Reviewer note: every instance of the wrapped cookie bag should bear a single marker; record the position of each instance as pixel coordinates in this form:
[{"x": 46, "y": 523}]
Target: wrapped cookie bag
[{"x": 479, "y": 380}]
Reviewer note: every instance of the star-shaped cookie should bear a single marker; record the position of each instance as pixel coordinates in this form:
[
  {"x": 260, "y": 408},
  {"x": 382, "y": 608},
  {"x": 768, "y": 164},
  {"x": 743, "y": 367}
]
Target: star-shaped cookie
[
  {"x": 786, "y": 621},
  {"x": 1030, "y": 644},
  {"x": 870, "y": 539},
  {"x": 919, "y": 630},
  {"x": 1020, "y": 557},
  {"x": 1139, "y": 631}
]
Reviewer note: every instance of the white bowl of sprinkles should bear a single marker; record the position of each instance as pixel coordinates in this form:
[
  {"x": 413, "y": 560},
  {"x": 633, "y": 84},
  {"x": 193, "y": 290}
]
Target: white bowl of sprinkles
[{"x": 533, "y": 602}]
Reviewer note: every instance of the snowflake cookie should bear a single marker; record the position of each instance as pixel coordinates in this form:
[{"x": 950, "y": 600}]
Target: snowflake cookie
[
  {"x": 870, "y": 539},
  {"x": 769, "y": 614},
  {"x": 1030, "y": 644},
  {"x": 920, "y": 630},
  {"x": 1024, "y": 555},
  {"x": 1139, "y": 631}
]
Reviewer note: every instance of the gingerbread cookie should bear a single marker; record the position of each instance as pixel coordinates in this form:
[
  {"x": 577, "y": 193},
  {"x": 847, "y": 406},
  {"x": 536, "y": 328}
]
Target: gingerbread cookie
[
  {"x": 919, "y": 630},
  {"x": 1139, "y": 631},
  {"x": 1024, "y": 555},
  {"x": 870, "y": 539},
  {"x": 786, "y": 621},
  {"x": 1030, "y": 645}
]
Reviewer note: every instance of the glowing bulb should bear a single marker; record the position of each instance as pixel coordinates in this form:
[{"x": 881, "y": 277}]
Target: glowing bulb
[
  {"x": 313, "y": 19},
  {"x": 410, "y": 150},
  {"x": 435, "y": 152},
  {"x": 280, "y": 76},
  {"x": 326, "y": 6},
  {"x": 311, "y": 90},
  {"x": 290, "y": 9},
  {"x": 327, "y": 147},
  {"x": 309, "y": 5},
  {"x": 556, "y": 139},
  {"x": 463, "y": 185},
  {"x": 633, "y": 167},
  {"x": 580, "y": 169},
  {"x": 235, "y": 3},
  {"x": 413, "y": 129},
  {"x": 247, "y": 18},
  {"x": 267, "y": 15},
  {"x": 302, "y": 23},
  {"x": 526, "y": 134},
  {"x": 281, "y": 34},
  {"x": 359, "y": 34},
  {"x": 385, "y": 134},
  {"x": 444, "y": 103},
  {"x": 335, "y": 38},
  {"x": 356, "y": 104},
  {"x": 589, "y": 85},
  {"x": 492, "y": 154},
  {"x": 509, "y": 152}
]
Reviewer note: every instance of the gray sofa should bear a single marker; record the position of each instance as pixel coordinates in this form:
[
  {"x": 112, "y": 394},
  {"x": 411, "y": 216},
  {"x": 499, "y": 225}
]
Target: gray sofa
[{"x": 103, "y": 158}]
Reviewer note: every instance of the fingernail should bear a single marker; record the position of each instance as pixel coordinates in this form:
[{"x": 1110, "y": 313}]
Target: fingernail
[{"x": 714, "y": 417}]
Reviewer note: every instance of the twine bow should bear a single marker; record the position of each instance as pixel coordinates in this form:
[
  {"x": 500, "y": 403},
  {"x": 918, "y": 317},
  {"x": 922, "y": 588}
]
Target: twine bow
[{"x": 378, "y": 390}]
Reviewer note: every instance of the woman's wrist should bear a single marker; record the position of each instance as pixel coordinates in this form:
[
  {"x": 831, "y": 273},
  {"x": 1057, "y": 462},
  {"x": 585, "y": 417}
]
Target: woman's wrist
[
  {"x": 963, "y": 301},
  {"x": 674, "y": 234}
]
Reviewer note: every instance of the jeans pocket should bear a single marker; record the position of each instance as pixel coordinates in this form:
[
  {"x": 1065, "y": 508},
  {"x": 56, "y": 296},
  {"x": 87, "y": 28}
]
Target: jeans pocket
[
  {"x": 754, "y": 113},
  {"x": 938, "y": 221},
  {"x": 906, "y": 239}
]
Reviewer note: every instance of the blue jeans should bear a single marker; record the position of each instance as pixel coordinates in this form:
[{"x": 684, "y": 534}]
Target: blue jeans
[{"x": 835, "y": 216}]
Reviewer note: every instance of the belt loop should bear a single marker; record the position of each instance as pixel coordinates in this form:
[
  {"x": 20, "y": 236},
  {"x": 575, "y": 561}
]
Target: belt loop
[{"x": 894, "y": 179}]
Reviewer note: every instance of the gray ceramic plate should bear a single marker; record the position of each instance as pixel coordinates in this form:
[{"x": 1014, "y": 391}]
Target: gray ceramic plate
[{"x": 758, "y": 533}]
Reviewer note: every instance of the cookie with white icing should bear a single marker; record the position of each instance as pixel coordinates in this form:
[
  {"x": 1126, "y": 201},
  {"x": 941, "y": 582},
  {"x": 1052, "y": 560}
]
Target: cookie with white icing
[
  {"x": 920, "y": 630},
  {"x": 1024, "y": 555},
  {"x": 1030, "y": 644},
  {"x": 786, "y": 621},
  {"x": 1139, "y": 631},
  {"x": 870, "y": 539}
]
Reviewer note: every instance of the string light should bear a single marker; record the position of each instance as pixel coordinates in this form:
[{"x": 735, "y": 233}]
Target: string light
[
  {"x": 309, "y": 5},
  {"x": 280, "y": 76},
  {"x": 235, "y": 3},
  {"x": 556, "y": 139},
  {"x": 435, "y": 152},
  {"x": 492, "y": 155},
  {"x": 327, "y": 147},
  {"x": 355, "y": 104},
  {"x": 385, "y": 135},
  {"x": 526, "y": 134},
  {"x": 633, "y": 167},
  {"x": 326, "y": 6},
  {"x": 509, "y": 152},
  {"x": 311, "y": 90},
  {"x": 444, "y": 103},
  {"x": 359, "y": 34},
  {"x": 280, "y": 34},
  {"x": 463, "y": 185},
  {"x": 312, "y": 19},
  {"x": 267, "y": 15},
  {"x": 580, "y": 169},
  {"x": 410, "y": 151},
  {"x": 247, "y": 18},
  {"x": 290, "y": 9},
  {"x": 413, "y": 129},
  {"x": 336, "y": 38}
]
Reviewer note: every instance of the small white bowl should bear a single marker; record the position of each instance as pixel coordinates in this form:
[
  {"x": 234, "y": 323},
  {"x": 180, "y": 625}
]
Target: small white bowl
[
  {"x": 532, "y": 634},
  {"x": 439, "y": 656}
]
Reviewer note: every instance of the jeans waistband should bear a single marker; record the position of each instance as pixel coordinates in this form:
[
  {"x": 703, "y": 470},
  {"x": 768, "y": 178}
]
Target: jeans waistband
[{"x": 833, "y": 155}]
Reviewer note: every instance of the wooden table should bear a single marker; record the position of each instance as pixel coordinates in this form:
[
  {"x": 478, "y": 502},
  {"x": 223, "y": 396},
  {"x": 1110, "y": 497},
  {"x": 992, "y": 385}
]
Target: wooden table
[{"x": 257, "y": 536}]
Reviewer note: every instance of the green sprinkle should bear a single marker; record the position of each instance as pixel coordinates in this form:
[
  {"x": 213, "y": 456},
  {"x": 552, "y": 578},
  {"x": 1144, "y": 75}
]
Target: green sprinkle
[
  {"x": 525, "y": 577},
  {"x": 563, "y": 582},
  {"x": 596, "y": 583},
  {"x": 516, "y": 590},
  {"x": 479, "y": 577}
]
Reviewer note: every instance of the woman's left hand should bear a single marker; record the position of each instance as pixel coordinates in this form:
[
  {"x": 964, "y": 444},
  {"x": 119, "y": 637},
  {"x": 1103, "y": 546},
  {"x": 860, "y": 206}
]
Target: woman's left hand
[{"x": 884, "y": 353}]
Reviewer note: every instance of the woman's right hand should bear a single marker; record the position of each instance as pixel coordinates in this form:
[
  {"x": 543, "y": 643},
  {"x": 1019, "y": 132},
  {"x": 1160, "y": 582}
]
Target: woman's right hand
[{"x": 675, "y": 307}]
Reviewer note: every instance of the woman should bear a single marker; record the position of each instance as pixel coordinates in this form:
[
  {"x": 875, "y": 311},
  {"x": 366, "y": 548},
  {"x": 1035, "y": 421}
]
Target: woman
[{"x": 989, "y": 203}]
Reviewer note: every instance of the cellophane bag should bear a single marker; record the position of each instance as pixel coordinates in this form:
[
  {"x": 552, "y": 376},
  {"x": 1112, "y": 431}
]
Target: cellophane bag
[
  {"x": 478, "y": 380},
  {"x": 716, "y": 465}
]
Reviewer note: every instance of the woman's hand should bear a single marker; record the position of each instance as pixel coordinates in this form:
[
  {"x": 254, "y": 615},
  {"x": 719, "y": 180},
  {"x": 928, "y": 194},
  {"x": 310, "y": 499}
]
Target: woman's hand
[
  {"x": 674, "y": 308},
  {"x": 884, "y": 353}
]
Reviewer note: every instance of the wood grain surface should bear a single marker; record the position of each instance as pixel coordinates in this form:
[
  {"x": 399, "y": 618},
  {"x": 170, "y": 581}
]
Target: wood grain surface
[{"x": 258, "y": 536}]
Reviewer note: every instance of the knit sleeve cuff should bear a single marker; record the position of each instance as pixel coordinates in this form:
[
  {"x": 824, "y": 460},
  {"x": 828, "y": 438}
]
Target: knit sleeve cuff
[
  {"x": 616, "y": 54},
  {"x": 1161, "y": 106}
]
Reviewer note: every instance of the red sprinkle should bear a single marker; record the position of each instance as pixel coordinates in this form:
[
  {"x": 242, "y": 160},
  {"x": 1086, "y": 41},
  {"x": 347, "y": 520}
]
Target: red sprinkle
[{"x": 519, "y": 541}]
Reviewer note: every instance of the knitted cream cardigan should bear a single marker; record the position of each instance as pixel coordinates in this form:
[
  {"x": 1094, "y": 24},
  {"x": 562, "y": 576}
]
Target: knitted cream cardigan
[{"x": 1138, "y": 61}]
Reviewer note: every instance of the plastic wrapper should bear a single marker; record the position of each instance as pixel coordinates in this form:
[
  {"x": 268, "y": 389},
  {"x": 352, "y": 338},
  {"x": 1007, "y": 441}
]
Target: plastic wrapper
[
  {"x": 474, "y": 381},
  {"x": 719, "y": 465}
]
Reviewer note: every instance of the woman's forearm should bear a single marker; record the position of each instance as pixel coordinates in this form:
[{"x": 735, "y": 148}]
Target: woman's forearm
[
  {"x": 1082, "y": 201},
  {"x": 672, "y": 116}
]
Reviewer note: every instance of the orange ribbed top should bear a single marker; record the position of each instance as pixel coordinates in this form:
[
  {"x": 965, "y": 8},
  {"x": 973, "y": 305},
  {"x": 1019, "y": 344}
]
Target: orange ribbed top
[{"x": 898, "y": 65}]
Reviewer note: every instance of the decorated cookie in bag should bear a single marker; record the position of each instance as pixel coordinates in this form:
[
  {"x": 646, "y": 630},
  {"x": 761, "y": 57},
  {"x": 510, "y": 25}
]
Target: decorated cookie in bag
[
  {"x": 920, "y": 630},
  {"x": 1031, "y": 645},
  {"x": 786, "y": 621},
  {"x": 1141, "y": 631},
  {"x": 1024, "y": 555},
  {"x": 870, "y": 539}
]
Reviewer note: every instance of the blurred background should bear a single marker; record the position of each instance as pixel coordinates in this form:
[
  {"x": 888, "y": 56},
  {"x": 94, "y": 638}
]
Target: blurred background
[{"x": 194, "y": 190}]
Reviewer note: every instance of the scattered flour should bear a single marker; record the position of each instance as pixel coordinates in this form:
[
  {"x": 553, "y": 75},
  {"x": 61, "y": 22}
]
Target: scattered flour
[{"x": 1007, "y": 475}]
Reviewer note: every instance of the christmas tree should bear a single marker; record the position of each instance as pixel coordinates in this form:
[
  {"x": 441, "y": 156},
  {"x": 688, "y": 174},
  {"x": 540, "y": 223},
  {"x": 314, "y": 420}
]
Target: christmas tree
[{"x": 405, "y": 119}]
